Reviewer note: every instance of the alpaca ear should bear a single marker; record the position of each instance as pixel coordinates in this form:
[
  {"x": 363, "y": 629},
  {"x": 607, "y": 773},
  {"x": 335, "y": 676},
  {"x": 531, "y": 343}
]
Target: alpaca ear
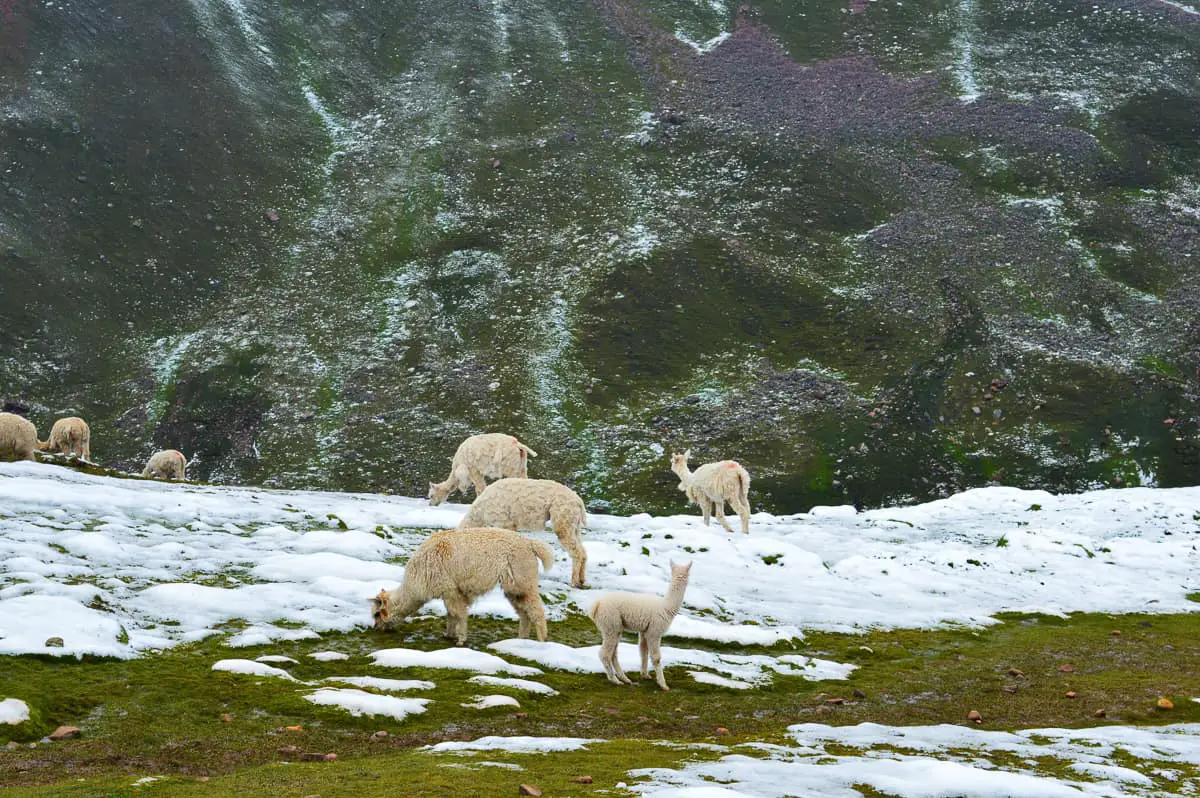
[{"x": 687, "y": 454}]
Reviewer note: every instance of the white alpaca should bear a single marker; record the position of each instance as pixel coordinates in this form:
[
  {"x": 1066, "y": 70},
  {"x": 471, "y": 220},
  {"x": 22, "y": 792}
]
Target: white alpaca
[
  {"x": 528, "y": 504},
  {"x": 460, "y": 565},
  {"x": 167, "y": 464},
  {"x": 18, "y": 437},
  {"x": 492, "y": 455},
  {"x": 71, "y": 436},
  {"x": 649, "y": 616},
  {"x": 713, "y": 484}
]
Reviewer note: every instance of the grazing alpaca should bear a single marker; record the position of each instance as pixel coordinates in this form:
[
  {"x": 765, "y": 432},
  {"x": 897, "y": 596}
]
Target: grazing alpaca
[
  {"x": 528, "y": 504},
  {"x": 71, "y": 436},
  {"x": 493, "y": 455},
  {"x": 167, "y": 464},
  {"x": 713, "y": 484},
  {"x": 649, "y": 616},
  {"x": 460, "y": 565},
  {"x": 18, "y": 437}
]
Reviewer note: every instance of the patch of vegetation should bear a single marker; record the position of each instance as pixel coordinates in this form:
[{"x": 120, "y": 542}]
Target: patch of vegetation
[{"x": 162, "y": 715}]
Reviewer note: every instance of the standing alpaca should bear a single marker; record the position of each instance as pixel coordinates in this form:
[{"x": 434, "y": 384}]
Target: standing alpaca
[
  {"x": 18, "y": 437},
  {"x": 649, "y": 616},
  {"x": 167, "y": 464},
  {"x": 713, "y": 484},
  {"x": 528, "y": 504},
  {"x": 492, "y": 455},
  {"x": 459, "y": 566},
  {"x": 71, "y": 436}
]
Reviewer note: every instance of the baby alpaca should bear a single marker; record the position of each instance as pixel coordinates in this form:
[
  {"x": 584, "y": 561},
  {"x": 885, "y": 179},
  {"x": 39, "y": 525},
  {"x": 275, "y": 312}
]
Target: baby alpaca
[
  {"x": 71, "y": 436},
  {"x": 528, "y": 504},
  {"x": 493, "y": 455},
  {"x": 713, "y": 484},
  {"x": 460, "y": 565},
  {"x": 167, "y": 464},
  {"x": 649, "y": 616},
  {"x": 18, "y": 437}
]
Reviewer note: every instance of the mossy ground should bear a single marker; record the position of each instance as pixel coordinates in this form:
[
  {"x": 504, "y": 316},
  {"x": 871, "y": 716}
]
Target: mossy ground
[{"x": 162, "y": 715}]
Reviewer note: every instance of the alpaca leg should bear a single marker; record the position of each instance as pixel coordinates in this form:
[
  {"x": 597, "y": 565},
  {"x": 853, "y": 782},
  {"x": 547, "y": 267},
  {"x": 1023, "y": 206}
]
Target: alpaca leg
[
  {"x": 478, "y": 481},
  {"x": 569, "y": 537},
  {"x": 743, "y": 511},
  {"x": 456, "y": 617},
  {"x": 644, "y": 650},
  {"x": 704, "y": 508},
  {"x": 719, "y": 507},
  {"x": 532, "y": 613},
  {"x": 608, "y": 657},
  {"x": 656, "y": 655}
]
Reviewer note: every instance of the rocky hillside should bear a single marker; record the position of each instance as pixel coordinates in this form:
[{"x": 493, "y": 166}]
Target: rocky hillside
[{"x": 878, "y": 252}]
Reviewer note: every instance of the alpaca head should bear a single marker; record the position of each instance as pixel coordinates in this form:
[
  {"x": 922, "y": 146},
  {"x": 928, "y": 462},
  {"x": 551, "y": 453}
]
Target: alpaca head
[
  {"x": 438, "y": 493},
  {"x": 681, "y": 572},
  {"x": 379, "y": 610},
  {"x": 679, "y": 466}
]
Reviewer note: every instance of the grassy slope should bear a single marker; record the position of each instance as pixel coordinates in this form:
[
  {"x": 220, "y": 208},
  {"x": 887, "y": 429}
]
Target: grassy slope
[{"x": 162, "y": 715}]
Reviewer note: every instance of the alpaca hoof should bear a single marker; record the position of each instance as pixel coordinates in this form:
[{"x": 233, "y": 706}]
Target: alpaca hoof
[{"x": 665, "y": 689}]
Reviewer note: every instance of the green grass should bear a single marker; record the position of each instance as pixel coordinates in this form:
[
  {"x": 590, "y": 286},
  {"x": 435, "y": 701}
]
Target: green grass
[{"x": 162, "y": 715}]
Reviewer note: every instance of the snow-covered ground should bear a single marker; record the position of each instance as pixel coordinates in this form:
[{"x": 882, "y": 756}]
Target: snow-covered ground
[
  {"x": 118, "y": 567},
  {"x": 934, "y": 761}
]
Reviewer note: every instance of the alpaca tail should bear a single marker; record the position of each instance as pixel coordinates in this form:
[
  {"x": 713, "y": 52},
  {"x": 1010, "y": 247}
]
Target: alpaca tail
[
  {"x": 543, "y": 552},
  {"x": 744, "y": 485},
  {"x": 527, "y": 452},
  {"x": 582, "y": 515}
]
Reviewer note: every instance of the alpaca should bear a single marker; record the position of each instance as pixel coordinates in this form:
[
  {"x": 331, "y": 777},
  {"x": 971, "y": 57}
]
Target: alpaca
[
  {"x": 527, "y": 504},
  {"x": 71, "y": 436},
  {"x": 18, "y": 437},
  {"x": 713, "y": 484},
  {"x": 167, "y": 464},
  {"x": 459, "y": 566},
  {"x": 648, "y": 615},
  {"x": 493, "y": 455}
]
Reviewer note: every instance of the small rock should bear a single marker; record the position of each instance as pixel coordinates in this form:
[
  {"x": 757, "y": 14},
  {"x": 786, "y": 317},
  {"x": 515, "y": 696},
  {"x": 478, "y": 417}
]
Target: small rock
[
  {"x": 1115, "y": 633},
  {"x": 521, "y": 715},
  {"x": 975, "y": 716},
  {"x": 288, "y": 750},
  {"x": 611, "y": 710},
  {"x": 1165, "y": 703},
  {"x": 1099, "y": 713},
  {"x": 1066, "y": 668},
  {"x": 835, "y": 700},
  {"x": 13, "y": 745},
  {"x": 721, "y": 730},
  {"x": 582, "y": 779},
  {"x": 987, "y": 397},
  {"x": 271, "y": 214},
  {"x": 529, "y": 789},
  {"x": 976, "y": 410},
  {"x": 1010, "y": 688},
  {"x": 54, "y": 642},
  {"x": 1015, "y": 672},
  {"x": 1071, "y": 694},
  {"x": 226, "y": 717},
  {"x": 379, "y": 735},
  {"x": 859, "y": 693},
  {"x": 316, "y": 756},
  {"x": 295, "y": 728},
  {"x": 824, "y": 710},
  {"x": 64, "y": 733},
  {"x": 496, "y": 163}
]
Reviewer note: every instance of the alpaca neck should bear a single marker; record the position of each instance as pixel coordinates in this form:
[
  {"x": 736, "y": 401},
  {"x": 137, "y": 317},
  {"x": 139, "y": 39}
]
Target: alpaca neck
[
  {"x": 674, "y": 598},
  {"x": 404, "y": 603},
  {"x": 684, "y": 473}
]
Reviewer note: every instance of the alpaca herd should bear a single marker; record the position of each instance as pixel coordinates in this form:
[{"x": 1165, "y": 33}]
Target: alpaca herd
[
  {"x": 460, "y": 565},
  {"x": 72, "y": 437},
  {"x": 485, "y": 549}
]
